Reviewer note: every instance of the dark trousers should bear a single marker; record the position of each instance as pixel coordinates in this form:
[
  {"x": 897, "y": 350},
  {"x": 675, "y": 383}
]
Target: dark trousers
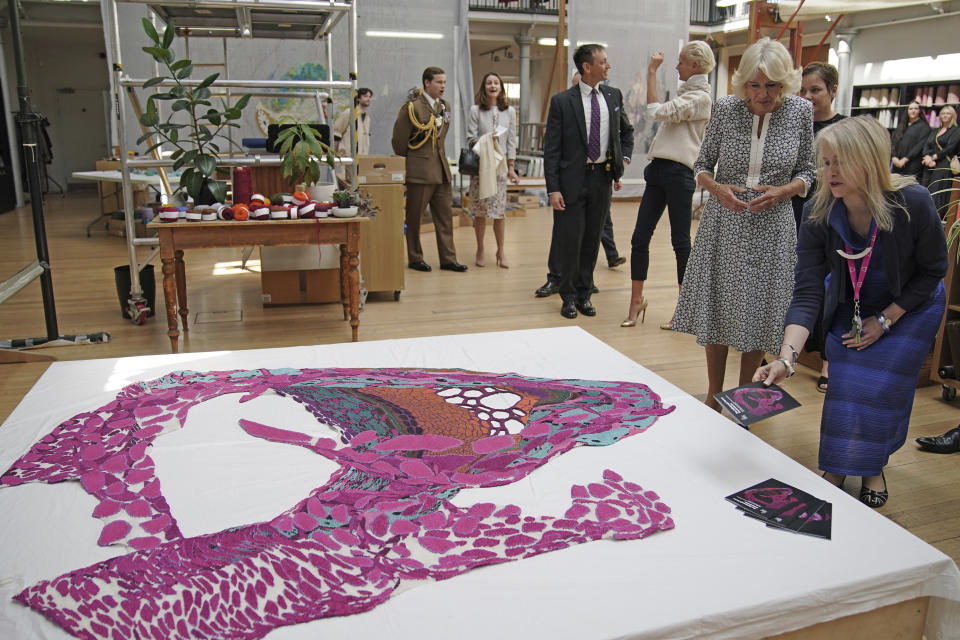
[
  {"x": 671, "y": 185},
  {"x": 439, "y": 197},
  {"x": 606, "y": 239},
  {"x": 578, "y": 233}
]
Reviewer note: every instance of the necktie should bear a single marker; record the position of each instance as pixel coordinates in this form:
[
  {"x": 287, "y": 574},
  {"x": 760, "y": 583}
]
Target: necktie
[{"x": 593, "y": 142}]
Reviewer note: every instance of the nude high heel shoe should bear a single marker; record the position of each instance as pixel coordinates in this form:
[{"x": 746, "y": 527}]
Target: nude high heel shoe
[
  {"x": 642, "y": 312},
  {"x": 480, "y": 262},
  {"x": 502, "y": 262}
]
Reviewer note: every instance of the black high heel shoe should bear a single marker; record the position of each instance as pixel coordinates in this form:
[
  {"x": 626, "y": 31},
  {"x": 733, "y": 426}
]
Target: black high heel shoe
[{"x": 874, "y": 499}]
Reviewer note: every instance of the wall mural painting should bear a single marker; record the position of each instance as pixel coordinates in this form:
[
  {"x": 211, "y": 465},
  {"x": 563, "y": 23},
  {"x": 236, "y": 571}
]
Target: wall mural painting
[{"x": 406, "y": 442}]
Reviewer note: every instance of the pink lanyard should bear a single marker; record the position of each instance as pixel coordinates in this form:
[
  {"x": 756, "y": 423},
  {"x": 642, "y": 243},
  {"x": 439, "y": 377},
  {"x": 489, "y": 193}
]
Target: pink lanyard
[{"x": 857, "y": 279}]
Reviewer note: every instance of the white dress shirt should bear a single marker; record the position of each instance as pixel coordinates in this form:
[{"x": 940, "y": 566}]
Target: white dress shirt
[{"x": 585, "y": 91}]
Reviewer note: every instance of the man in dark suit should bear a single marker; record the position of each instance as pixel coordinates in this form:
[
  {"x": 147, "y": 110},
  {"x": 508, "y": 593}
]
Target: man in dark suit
[
  {"x": 419, "y": 134},
  {"x": 587, "y": 142}
]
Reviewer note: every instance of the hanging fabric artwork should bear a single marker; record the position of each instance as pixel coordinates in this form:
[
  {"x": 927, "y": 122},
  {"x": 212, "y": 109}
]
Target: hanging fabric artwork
[{"x": 408, "y": 440}]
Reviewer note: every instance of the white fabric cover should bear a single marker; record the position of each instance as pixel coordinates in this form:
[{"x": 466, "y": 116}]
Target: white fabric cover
[{"x": 717, "y": 575}]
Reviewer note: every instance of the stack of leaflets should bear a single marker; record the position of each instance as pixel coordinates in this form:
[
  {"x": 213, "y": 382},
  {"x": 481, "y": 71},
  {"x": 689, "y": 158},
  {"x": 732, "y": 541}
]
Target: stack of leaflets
[{"x": 781, "y": 506}]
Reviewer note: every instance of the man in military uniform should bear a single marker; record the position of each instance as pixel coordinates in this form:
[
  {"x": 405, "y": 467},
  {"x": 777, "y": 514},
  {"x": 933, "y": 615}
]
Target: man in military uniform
[{"x": 419, "y": 134}]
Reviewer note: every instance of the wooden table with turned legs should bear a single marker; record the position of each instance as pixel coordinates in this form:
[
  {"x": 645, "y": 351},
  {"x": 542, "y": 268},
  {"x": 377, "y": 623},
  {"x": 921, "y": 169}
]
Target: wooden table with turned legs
[{"x": 175, "y": 237}]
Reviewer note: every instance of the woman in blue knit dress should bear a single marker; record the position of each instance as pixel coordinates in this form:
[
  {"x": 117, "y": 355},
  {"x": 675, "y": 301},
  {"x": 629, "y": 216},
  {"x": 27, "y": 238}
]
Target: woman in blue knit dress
[{"x": 880, "y": 238}]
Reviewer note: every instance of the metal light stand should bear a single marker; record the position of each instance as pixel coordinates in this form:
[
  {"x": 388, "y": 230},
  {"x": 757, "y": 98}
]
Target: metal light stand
[{"x": 28, "y": 122}]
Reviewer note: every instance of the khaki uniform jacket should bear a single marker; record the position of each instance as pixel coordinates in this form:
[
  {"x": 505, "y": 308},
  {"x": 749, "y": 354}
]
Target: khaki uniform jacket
[{"x": 427, "y": 164}]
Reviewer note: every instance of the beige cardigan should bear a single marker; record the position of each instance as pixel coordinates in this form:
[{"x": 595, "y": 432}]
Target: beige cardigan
[{"x": 683, "y": 121}]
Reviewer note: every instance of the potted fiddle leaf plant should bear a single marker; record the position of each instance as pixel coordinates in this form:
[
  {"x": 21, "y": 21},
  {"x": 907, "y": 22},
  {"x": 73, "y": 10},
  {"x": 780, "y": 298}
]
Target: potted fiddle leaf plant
[
  {"x": 302, "y": 151},
  {"x": 193, "y": 127}
]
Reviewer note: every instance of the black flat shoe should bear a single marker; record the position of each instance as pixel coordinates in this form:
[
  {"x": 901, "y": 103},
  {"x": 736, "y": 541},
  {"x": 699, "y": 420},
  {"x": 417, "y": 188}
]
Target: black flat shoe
[
  {"x": 616, "y": 262},
  {"x": 947, "y": 443},
  {"x": 453, "y": 266},
  {"x": 586, "y": 307},
  {"x": 419, "y": 265},
  {"x": 548, "y": 289},
  {"x": 822, "y": 383},
  {"x": 874, "y": 499},
  {"x": 569, "y": 309}
]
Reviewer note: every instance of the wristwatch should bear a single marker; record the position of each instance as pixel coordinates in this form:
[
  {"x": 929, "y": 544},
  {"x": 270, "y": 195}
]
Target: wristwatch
[{"x": 885, "y": 322}]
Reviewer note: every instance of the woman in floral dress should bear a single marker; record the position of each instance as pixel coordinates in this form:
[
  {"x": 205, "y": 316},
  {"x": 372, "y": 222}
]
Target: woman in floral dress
[
  {"x": 756, "y": 154},
  {"x": 490, "y": 111}
]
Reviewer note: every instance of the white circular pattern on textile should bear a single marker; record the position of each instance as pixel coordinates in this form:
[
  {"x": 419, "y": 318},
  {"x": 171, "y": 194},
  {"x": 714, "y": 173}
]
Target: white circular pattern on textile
[{"x": 495, "y": 407}]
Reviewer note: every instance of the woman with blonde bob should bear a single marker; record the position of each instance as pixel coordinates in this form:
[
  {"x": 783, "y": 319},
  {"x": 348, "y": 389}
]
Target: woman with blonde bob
[
  {"x": 756, "y": 154},
  {"x": 942, "y": 144},
  {"x": 880, "y": 238}
]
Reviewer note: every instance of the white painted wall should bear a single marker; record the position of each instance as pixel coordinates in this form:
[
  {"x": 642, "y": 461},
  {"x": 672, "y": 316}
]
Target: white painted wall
[
  {"x": 911, "y": 52},
  {"x": 50, "y": 73}
]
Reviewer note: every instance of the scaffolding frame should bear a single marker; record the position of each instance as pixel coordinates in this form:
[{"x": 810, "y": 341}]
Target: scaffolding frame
[{"x": 286, "y": 19}]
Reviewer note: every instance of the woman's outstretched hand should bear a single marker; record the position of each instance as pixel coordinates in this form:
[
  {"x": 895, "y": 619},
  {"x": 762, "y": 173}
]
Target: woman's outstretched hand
[{"x": 772, "y": 373}]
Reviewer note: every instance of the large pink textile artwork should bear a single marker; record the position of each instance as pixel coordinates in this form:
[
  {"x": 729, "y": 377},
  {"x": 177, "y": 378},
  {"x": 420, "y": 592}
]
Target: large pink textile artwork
[{"x": 410, "y": 440}]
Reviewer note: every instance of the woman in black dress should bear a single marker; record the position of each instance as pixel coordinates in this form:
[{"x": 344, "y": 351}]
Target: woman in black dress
[
  {"x": 908, "y": 141},
  {"x": 941, "y": 145}
]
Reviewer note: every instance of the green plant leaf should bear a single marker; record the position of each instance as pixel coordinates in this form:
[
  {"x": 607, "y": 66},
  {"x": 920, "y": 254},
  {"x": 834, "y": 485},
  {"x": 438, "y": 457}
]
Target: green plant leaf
[
  {"x": 180, "y": 64},
  {"x": 191, "y": 181},
  {"x": 149, "y": 29},
  {"x": 152, "y": 147},
  {"x": 206, "y": 164},
  {"x": 176, "y": 154},
  {"x": 160, "y": 54},
  {"x": 185, "y": 72},
  {"x": 188, "y": 156},
  {"x": 201, "y": 93},
  {"x": 174, "y": 135},
  {"x": 287, "y": 144},
  {"x": 149, "y": 117},
  {"x": 180, "y": 105},
  {"x": 241, "y": 104},
  {"x": 213, "y": 116},
  {"x": 161, "y": 96},
  {"x": 153, "y": 81},
  {"x": 168, "y": 34},
  {"x": 144, "y": 137},
  {"x": 178, "y": 163},
  {"x": 218, "y": 188},
  {"x": 178, "y": 91},
  {"x": 206, "y": 82},
  {"x": 286, "y": 165}
]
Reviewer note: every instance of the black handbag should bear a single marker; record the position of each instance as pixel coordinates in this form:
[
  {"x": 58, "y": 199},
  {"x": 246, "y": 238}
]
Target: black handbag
[{"x": 469, "y": 163}]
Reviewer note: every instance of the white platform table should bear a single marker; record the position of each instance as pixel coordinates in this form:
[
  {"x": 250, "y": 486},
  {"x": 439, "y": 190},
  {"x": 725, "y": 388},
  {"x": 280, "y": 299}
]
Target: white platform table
[{"x": 718, "y": 574}]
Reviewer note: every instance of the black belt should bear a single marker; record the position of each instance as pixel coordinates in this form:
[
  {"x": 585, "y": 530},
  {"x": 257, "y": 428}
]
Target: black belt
[{"x": 591, "y": 166}]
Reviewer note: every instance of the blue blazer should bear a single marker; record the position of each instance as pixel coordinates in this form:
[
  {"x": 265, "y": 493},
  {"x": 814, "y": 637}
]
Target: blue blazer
[
  {"x": 914, "y": 258},
  {"x": 565, "y": 140}
]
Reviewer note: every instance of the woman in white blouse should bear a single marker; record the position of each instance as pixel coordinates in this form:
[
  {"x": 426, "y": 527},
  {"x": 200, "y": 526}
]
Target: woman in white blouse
[
  {"x": 491, "y": 112},
  {"x": 756, "y": 154}
]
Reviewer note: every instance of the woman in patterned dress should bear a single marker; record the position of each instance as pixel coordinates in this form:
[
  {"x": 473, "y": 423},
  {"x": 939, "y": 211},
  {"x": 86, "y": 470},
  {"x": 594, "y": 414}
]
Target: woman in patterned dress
[
  {"x": 490, "y": 111},
  {"x": 738, "y": 281},
  {"x": 880, "y": 238}
]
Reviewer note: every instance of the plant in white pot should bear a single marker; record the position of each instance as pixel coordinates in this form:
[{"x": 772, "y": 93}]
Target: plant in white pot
[
  {"x": 302, "y": 152},
  {"x": 350, "y": 202}
]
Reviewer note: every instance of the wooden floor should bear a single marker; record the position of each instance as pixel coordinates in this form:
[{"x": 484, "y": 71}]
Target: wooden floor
[{"x": 924, "y": 487}]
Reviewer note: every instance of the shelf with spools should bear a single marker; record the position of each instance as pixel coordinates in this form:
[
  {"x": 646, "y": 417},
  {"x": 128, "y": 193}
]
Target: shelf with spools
[{"x": 887, "y": 103}]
